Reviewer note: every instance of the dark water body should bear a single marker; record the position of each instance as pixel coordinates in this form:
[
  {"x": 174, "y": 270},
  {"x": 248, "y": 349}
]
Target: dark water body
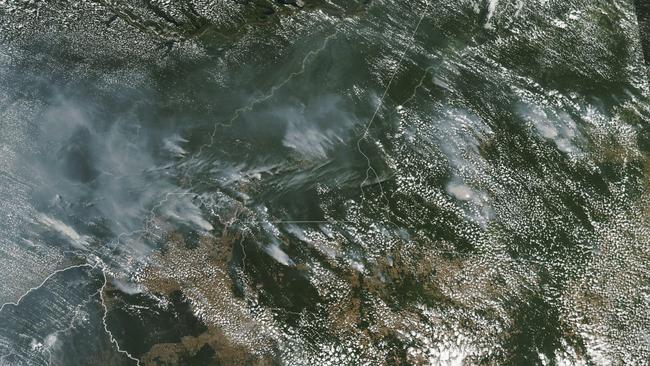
[{"x": 331, "y": 182}]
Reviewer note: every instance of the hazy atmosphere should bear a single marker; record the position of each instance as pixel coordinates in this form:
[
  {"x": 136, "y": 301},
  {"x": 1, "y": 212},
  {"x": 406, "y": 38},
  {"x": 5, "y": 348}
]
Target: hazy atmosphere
[{"x": 324, "y": 182}]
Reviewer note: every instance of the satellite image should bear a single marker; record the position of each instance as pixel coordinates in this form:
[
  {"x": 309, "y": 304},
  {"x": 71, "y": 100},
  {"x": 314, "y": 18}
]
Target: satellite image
[{"x": 324, "y": 182}]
